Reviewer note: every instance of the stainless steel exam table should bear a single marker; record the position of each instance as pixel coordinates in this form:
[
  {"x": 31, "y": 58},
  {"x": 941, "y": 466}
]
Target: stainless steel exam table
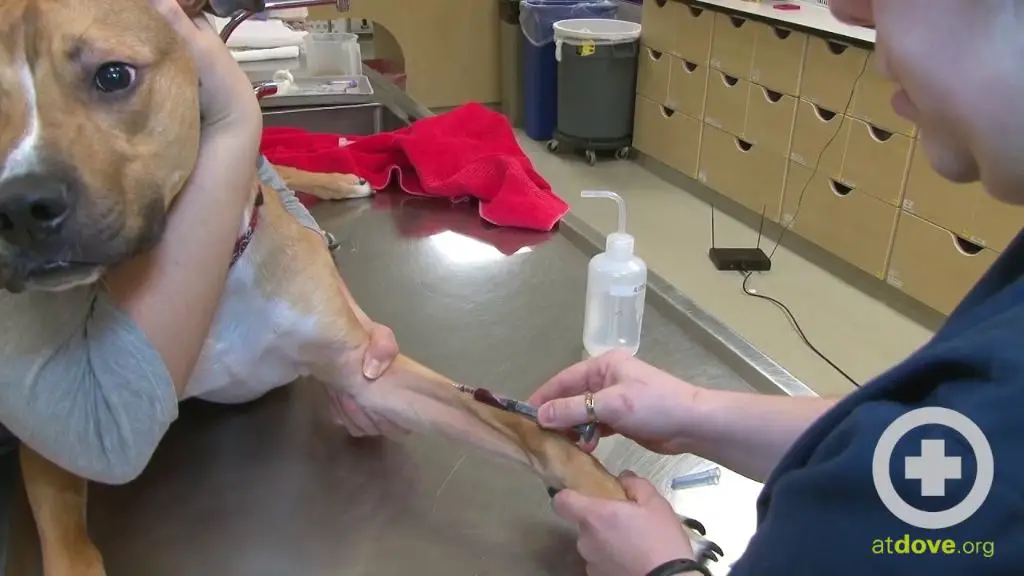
[{"x": 271, "y": 488}]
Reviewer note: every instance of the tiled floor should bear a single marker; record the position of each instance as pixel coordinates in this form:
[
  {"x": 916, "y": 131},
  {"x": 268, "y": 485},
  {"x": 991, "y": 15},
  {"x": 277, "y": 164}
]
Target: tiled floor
[{"x": 672, "y": 230}]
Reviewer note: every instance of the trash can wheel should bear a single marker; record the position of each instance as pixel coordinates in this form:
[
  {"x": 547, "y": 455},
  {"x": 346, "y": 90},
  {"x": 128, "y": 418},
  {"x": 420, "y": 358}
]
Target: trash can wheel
[
  {"x": 623, "y": 153},
  {"x": 591, "y": 157},
  {"x": 553, "y": 146}
]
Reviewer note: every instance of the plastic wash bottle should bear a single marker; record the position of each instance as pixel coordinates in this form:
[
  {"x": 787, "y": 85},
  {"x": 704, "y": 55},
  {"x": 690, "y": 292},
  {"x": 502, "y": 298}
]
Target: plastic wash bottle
[{"x": 616, "y": 286}]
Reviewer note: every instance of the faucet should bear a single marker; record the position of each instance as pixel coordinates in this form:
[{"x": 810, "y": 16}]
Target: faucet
[{"x": 242, "y": 15}]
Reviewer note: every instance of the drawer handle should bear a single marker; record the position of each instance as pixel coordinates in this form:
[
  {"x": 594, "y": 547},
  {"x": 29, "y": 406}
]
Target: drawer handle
[
  {"x": 696, "y": 12},
  {"x": 661, "y": 3},
  {"x": 836, "y": 48},
  {"x": 966, "y": 247},
  {"x": 667, "y": 112},
  {"x": 654, "y": 55},
  {"x": 729, "y": 81},
  {"x": 690, "y": 67},
  {"x": 839, "y": 189},
  {"x": 743, "y": 145},
  {"x": 771, "y": 95},
  {"x": 823, "y": 114},
  {"x": 781, "y": 33},
  {"x": 737, "y": 22},
  {"x": 879, "y": 134}
]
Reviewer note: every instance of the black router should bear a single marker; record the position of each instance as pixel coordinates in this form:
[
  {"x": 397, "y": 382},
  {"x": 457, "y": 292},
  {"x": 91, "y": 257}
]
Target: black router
[{"x": 739, "y": 259}]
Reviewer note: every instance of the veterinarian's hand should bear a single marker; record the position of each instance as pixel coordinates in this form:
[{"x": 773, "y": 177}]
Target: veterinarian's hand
[
  {"x": 625, "y": 538},
  {"x": 226, "y": 98},
  {"x": 631, "y": 398},
  {"x": 379, "y": 355}
]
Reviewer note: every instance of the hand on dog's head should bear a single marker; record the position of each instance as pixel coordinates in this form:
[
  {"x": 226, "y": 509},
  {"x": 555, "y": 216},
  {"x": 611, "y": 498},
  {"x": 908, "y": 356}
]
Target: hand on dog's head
[{"x": 99, "y": 130}]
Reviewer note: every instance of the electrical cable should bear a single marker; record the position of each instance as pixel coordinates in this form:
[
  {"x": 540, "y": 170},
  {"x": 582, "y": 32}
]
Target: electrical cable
[
  {"x": 817, "y": 163},
  {"x": 796, "y": 212},
  {"x": 796, "y": 326}
]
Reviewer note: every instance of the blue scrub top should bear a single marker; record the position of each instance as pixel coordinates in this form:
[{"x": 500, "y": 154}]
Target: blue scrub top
[{"x": 821, "y": 513}]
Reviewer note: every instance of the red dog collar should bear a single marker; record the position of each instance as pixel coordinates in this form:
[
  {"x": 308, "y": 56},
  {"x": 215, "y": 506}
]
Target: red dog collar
[{"x": 243, "y": 241}]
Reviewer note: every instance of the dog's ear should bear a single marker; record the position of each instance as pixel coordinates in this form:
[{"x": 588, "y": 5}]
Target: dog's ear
[{"x": 222, "y": 8}]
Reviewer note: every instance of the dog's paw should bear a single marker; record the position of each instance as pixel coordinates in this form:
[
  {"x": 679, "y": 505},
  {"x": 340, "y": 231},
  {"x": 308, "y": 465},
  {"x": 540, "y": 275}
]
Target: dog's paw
[{"x": 345, "y": 186}]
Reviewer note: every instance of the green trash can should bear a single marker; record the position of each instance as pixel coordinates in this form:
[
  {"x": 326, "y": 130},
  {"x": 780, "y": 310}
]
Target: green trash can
[
  {"x": 511, "y": 38},
  {"x": 597, "y": 68}
]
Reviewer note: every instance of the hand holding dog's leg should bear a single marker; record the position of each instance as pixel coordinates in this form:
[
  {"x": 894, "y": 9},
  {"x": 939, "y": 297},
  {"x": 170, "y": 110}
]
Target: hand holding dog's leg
[
  {"x": 420, "y": 400},
  {"x": 57, "y": 499}
]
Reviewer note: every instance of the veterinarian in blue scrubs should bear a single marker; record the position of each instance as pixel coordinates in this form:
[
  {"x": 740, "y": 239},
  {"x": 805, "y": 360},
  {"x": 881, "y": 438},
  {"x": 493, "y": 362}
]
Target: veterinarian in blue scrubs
[
  {"x": 921, "y": 471},
  {"x": 90, "y": 377}
]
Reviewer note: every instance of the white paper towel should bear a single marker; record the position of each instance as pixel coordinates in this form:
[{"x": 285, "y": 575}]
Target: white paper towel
[
  {"x": 259, "y": 54},
  {"x": 261, "y": 34}
]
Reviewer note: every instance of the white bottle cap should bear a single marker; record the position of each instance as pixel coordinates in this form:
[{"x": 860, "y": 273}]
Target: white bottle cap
[{"x": 619, "y": 246}]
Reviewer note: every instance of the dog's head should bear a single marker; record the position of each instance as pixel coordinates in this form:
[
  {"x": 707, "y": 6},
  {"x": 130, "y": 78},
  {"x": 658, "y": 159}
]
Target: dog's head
[{"x": 99, "y": 130}]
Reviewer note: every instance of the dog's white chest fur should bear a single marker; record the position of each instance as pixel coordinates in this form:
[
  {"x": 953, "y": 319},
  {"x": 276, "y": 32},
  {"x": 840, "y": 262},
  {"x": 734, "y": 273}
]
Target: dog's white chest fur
[{"x": 256, "y": 342}]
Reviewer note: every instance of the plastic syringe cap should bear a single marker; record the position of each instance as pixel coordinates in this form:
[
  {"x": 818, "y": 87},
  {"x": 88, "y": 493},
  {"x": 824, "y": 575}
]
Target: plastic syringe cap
[{"x": 619, "y": 246}]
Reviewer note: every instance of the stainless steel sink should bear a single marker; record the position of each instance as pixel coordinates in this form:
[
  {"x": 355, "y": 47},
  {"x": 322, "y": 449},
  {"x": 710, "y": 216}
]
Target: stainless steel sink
[{"x": 358, "y": 119}]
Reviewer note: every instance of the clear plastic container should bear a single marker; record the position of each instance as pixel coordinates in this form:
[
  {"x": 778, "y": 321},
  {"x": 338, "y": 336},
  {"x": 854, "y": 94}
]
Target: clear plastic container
[
  {"x": 616, "y": 291},
  {"x": 333, "y": 54}
]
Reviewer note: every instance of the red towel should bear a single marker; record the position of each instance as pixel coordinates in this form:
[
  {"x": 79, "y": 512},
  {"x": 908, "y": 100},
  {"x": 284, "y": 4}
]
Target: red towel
[{"x": 470, "y": 151}]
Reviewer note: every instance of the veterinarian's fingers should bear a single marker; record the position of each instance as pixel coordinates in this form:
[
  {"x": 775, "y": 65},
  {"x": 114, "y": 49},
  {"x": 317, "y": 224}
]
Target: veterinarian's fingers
[
  {"x": 337, "y": 413},
  {"x": 609, "y": 406},
  {"x": 381, "y": 352},
  {"x": 573, "y": 380},
  {"x": 389, "y": 428},
  {"x": 358, "y": 417},
  {"x": 571, "y": 506},
  {"x": 177, "y": 18},
  {"x": 637, "y": 489}
]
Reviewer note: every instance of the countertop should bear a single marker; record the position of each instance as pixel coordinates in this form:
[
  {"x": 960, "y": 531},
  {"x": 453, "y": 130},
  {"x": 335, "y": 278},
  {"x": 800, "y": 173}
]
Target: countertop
[
  {"x": 809, "y": 18},
  {"x": 270, "y": 488}
]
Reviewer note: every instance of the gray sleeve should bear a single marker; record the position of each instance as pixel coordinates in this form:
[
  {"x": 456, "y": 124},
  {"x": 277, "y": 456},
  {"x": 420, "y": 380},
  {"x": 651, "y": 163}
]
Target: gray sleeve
[
  {"x": 81, "y": 384},
  {"x": 271, "y": 178}
]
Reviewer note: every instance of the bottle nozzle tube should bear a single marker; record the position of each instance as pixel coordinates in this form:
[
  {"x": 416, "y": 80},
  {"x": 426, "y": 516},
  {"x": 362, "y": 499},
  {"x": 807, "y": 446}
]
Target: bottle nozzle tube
[{"x": 618, "y": 200}]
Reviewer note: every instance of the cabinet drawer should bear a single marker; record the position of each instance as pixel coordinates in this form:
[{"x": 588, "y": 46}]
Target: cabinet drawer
[
  {"x": 732, "y": 46},
  {"x": 931, "y": 197},
  {"x": 693, "y": 27},
  {"x": 653, "y": 74},
  {"x": 995, "y": 224},
  {"x": 934, "y": 265},
  {"x": 778, "y": 58},
  {"x": 749, "y": 174},
  {"x": 830, "y": 73},
  {"x": 876, "y": 161},
  {"x": 726, "y": 107},
  {"x": 657, "y": 21},
  {"x": 854, "y": 226},
  {"x": 819, "y": 138},
  {"x": 668, "y": 136},
  {"x": 770, "y": 119},
  {"x": 872, "y": 102},
  {"x": 687, "y": 86}
]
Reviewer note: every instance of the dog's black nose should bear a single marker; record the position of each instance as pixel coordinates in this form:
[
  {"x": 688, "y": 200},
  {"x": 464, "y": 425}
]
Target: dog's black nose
[{"x": 33, "y": 208}]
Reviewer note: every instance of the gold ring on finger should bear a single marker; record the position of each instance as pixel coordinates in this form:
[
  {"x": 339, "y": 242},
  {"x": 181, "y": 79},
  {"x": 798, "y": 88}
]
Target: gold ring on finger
[{"x": 588, "y": 402}]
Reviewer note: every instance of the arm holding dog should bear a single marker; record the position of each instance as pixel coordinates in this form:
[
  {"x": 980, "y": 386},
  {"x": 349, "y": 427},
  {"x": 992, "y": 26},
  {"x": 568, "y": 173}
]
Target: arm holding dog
[{"x": 173, "y": 292}]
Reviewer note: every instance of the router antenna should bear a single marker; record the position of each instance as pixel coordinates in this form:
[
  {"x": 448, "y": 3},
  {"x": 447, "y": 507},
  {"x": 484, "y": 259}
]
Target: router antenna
[
  {"x": 712, "y": 225},
  {"x": 760, "y": 228}
]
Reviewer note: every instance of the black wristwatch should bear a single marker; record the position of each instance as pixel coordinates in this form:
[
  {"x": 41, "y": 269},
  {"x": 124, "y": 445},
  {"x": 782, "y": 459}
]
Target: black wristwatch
[{"x": 680, "y": 566}]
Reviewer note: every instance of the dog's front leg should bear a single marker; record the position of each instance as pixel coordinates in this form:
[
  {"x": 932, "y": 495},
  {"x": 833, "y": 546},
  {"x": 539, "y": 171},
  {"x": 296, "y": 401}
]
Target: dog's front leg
[
  {"x": 421, "y": 400},
  {"x": 326, "y": 186},
  {"x": 58, "y": 500}
]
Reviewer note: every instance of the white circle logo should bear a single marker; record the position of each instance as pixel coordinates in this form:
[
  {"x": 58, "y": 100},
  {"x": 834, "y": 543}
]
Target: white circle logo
[{"x": 933, "y": 468}]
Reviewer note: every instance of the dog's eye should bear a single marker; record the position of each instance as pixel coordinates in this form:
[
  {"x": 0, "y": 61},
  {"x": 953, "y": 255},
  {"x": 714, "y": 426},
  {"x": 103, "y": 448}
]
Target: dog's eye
[{"x": 114, "y": 77}]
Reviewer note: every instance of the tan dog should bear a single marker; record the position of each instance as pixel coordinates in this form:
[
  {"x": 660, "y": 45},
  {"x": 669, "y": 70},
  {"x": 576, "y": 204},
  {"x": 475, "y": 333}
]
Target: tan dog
[{"x": 58, "y": 127}]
